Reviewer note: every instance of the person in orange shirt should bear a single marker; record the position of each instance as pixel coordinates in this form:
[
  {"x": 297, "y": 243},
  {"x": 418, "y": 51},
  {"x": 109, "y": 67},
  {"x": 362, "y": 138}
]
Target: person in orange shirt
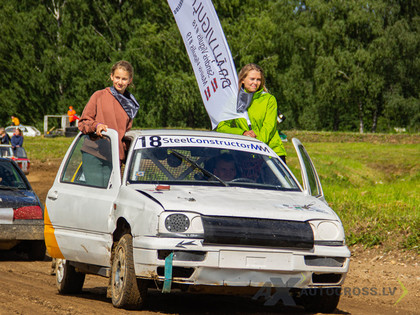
[
  {"x": 15, "y": 121},
  {"x": 72, "y": 116}
]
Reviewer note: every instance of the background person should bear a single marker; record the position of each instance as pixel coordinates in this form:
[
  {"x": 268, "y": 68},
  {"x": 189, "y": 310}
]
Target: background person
[
  {"x": 72, "y": 116},
  {"x": 17, "y": 139},
  {"x": 15, "y": 121},
  {"x": 5, "y": 139},
  {"x": 262, "y": 111},
  {"x": 113, "y": 107}
]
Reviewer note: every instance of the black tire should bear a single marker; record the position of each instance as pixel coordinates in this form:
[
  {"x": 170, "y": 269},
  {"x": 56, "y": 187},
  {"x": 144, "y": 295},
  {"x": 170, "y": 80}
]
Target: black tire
[
  {"x": 125, "y": 292},
  {"x": 36, "y": 250},
  {"x": 68, "y": 280},
  {"x": 320, "y": 300}
]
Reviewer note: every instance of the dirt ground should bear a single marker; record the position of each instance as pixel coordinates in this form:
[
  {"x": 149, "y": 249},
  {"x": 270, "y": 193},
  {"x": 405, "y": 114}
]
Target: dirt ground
[{"x": 377, "y": 283}]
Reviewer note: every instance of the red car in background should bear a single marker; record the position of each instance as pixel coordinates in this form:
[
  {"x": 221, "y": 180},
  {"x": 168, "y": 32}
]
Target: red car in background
[{"x": 18, "y": 155}]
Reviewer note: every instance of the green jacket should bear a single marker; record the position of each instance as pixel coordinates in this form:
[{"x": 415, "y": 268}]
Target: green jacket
[{"x": 263, "y": 116}]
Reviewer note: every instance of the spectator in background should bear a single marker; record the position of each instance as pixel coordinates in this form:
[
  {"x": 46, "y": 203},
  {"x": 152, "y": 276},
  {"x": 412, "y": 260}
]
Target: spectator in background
[
  {"x": 72, "y": 116},
  {"x": 17, "y": 139},
  {"x": 15, "y": 121},
  {"x": 5, "y": 139}
]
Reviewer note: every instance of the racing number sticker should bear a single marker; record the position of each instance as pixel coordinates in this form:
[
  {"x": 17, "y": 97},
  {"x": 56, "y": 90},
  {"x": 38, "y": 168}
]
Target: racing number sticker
[{"x": 154, "y": 141}]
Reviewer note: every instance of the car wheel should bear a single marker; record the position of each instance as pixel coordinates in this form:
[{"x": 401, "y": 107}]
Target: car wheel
[
  {"x": 320, "y": 300},
  {"x": 36, "y": 250},
  {"x": 68, "y": 280},
  {"x": 125, "y": 292}
]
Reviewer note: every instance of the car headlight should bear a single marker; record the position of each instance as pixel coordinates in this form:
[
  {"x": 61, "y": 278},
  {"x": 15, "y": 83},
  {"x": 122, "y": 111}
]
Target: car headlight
[
  {"x": 328, "y": 232},
  {"x": 180, "y": 224},
  {"x": 177, "y": 222}
]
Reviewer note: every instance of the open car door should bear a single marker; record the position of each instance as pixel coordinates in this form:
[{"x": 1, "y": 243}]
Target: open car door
[{"x": 311, "y": 184}]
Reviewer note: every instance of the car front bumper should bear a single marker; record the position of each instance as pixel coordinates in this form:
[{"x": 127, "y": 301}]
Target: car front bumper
[{"x": 198, "y": 264}]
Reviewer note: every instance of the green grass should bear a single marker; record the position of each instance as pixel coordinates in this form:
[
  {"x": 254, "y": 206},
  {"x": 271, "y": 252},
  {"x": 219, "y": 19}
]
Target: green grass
[
  {"x": 373, "y": 186},
  {"x": 371, "y": 181},
  {"x": 43, "y": 149}
]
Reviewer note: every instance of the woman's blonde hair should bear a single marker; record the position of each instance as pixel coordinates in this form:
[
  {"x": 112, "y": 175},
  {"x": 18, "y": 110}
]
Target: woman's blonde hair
[{"x": 246, "y": 69}]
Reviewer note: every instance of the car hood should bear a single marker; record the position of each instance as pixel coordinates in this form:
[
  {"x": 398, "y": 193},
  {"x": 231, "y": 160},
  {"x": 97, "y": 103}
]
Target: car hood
[
  {"x": 241, "y": 202},
  {"x": 17, "y": 198}
]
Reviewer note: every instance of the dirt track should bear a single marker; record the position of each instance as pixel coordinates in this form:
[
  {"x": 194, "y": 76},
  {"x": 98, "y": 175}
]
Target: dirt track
[{"x": 373, "y": 285}]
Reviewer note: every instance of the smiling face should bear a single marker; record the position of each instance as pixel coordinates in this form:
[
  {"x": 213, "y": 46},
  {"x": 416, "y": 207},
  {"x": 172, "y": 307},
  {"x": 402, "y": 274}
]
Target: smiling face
[
  {"x": 252, "y": 81},
  {"x": 121, "y": 79}
]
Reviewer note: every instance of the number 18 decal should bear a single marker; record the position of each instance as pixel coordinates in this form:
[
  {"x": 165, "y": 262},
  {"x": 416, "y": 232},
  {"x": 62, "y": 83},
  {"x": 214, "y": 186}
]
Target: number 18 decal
[{"x": 154, "y": 141}]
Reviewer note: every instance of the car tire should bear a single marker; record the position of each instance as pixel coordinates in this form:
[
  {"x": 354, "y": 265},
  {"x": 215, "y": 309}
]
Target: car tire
[
  {"x": 68, "y": 280},
  {"x": 320, "y": 300},
  {"x": 36, "y": 250},
  {"x": 126, "y": 291}
]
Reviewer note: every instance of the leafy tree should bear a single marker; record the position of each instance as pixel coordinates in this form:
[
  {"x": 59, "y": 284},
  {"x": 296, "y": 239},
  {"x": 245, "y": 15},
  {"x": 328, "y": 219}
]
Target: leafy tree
[{"x": 332, "y": 65}]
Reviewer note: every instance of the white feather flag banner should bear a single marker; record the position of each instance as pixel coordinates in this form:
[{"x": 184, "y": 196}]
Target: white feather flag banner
[{"x": 210, "y": 57}]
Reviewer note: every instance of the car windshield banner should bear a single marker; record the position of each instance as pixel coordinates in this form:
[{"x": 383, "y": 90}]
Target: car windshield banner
[
  {"x": 210, "y": 57},
  {"x": 208, "y": 142}
]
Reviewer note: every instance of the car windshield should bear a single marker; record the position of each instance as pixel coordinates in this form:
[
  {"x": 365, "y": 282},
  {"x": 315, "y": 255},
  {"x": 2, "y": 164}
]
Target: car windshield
[
  {"x": 6, "y": 151},
  {"x": 10, "y": 178},
  {"x": 20, "y": 153},
  {"x": 199, "y": 165}
]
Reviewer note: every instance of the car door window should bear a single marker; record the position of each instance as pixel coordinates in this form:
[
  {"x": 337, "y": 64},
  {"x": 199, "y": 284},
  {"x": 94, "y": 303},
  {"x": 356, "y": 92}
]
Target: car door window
[
  {"x": 310, "y": 177},
  {"x": 10, "y": 177},
  {"x": 20, "y": 153},
  {"x": 89, "y": 163},
  {"x": 313, "y": 183}
]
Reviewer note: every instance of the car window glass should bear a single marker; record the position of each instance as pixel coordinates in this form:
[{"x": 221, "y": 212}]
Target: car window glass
[
  {"x": 10, "y": 177},
  {"x": 89, "y": 163},
  {"x": 20, "y": 153},
  {"x": 6, "y": 152},
  {"x": 312, "y": 178},
  {"x": 238, "y": 168}
]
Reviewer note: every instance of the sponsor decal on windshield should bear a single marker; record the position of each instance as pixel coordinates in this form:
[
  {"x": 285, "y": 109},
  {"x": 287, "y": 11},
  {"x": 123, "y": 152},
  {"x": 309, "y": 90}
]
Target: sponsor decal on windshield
[{"x": 208, "y": 142}]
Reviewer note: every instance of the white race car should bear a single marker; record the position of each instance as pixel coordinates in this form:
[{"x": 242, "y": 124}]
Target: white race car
[
  {"x": 27, "y": 131},
  {"x": 196, "y": 210}
]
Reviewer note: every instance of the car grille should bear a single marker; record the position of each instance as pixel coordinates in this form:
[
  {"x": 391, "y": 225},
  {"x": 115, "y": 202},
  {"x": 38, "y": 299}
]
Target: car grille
[{"x": 257, "y": 232}]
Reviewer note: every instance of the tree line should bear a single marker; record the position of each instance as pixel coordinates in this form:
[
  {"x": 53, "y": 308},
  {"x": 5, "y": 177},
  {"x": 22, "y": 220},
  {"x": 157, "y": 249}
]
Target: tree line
[{"x": 333, "y": 65}]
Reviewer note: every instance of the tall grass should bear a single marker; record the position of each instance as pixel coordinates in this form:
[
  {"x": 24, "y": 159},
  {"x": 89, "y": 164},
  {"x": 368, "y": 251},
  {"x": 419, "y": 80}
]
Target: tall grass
[{"x": 371, "y": 181}]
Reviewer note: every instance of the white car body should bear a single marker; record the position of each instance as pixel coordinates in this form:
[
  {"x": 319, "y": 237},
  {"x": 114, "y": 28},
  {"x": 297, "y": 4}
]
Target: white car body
[
  {"x": 238, "y": 236},
  {"x": 27, "y": 131}
]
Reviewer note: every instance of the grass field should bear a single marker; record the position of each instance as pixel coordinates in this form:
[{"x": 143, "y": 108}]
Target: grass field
[{"x": 371, "y": 180}]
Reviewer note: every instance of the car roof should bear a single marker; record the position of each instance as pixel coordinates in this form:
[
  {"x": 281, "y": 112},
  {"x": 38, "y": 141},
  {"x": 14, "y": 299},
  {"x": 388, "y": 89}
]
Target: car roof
[
  {"x": 3, "y": 159},
  {"x": 20, "y": 126},
  {"x": 135, "y": 133}
]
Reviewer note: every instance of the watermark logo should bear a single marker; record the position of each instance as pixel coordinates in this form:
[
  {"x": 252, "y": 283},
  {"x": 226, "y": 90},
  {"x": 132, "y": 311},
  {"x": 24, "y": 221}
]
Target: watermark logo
[
  {"x": 282, "y": 285},
  {"x": 405, "y": 291}
]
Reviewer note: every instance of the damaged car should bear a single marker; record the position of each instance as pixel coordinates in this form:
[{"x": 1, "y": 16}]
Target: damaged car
[
  {"x": 18, "y": 155},
  {"x": 199, "y": 211},
  {"x": 21, "y": 213}
]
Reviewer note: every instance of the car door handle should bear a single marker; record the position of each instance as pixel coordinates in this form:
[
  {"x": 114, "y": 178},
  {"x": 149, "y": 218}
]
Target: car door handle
[{"x": 53, "y": 195}]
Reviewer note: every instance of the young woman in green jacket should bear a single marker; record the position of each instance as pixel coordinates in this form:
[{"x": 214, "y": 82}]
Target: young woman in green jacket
[{"x": 262, "y": 111}]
